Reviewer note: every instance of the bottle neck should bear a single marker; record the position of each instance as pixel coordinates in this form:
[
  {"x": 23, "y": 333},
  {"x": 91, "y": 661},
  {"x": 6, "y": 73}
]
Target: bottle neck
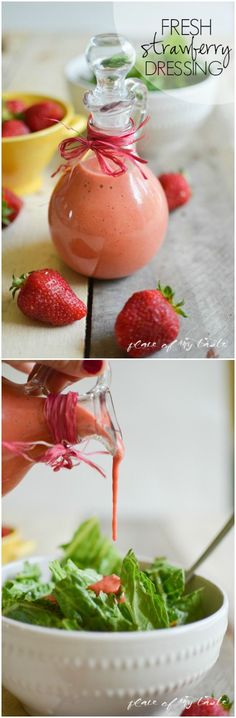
[
  {"x": 109, "y": 110},
  {"x": 56, "y": 418},
  {"x": 116, "y": 134}
]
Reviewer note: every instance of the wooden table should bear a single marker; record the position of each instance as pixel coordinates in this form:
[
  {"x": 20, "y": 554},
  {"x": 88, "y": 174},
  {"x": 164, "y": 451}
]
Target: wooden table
[{"x": 196, "y": 258}]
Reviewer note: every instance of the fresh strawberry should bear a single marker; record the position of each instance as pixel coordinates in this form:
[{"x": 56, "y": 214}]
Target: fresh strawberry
[
  {"x": 15, "y": 107},
  {"x": 107, "y": 584},
  {"x": 43, "y": 115},
  {"x": 6, "y": 531},
  {"x": 51, "y": 599},
  {"x": 148, "y": 321},
  {"x": 208, "y": 707},
  {"x": 13, "y": 128},
  {"x": 11, "y": 206},
  {"x": 46, "y": 296},
  {"x": 176, "y": 188}
]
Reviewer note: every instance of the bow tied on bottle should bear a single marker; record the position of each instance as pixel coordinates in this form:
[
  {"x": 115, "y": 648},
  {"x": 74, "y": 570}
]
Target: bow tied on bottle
[{"x": 109, "y": 149}]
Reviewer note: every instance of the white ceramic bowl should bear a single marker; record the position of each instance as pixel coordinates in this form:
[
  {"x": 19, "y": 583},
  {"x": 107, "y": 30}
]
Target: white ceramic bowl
[
  {"x": 174, "y": 114},
  {"x": 62, "y": 673}
]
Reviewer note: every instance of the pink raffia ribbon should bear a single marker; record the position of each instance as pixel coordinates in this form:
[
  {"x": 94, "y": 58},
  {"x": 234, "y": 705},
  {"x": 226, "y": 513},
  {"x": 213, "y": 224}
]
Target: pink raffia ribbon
[
  {"x": 60, "y": 414},
  {"x": 108, "y": 149}
]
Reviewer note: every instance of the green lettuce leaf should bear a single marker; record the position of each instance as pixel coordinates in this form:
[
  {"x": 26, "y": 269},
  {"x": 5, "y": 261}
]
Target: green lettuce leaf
[
  {"x": 170, "y": 583},
  {"x": 25, "y": 586},
  {"x": 81, "y": 606},
  {"x": 168, "y": 579},
  {"x": 88, "y": 547},
  {"x": 38, "y": 613},
  {"x": 191, "y": 605},
  {"x": 154, "y": 597},
  {"x": 147, "y": 607}
]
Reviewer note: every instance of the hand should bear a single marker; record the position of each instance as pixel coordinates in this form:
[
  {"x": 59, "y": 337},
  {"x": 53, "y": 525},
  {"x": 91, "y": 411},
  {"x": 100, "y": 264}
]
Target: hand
[{"x": 56, "y": 375}]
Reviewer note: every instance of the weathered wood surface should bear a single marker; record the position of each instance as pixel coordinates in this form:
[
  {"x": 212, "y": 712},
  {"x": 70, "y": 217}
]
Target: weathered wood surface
[{"x": 196, "y": 257}]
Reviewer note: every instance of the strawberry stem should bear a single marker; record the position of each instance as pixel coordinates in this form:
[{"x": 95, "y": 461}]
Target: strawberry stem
[
  {"x": 6, "y": 213},
  {"x": 168, "y": 294},
  {"x": 225, "y": 702},
  {"x": 17, "y": 282}
]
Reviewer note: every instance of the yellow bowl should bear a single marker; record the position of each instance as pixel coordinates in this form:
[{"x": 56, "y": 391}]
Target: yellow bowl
[
  {"x": 13, "y": 546},
  {"x": 25, "y": 157}
]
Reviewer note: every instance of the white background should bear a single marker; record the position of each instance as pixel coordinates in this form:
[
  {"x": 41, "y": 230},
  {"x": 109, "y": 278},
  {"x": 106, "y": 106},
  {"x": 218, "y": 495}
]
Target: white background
[{"x": 123, "y": 17}]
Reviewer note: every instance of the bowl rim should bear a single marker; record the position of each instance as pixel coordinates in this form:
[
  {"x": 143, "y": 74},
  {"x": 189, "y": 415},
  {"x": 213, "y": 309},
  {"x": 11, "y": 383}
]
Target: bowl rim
[
  {"x": 40, "y": 133},
  {"x": 112, "y": 635},
  {"x": 159, "y": 93}
]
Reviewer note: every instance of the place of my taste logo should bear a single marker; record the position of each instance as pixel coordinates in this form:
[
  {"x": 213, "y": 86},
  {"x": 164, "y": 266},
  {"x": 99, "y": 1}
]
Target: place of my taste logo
[{"x": 180, "y": 50}]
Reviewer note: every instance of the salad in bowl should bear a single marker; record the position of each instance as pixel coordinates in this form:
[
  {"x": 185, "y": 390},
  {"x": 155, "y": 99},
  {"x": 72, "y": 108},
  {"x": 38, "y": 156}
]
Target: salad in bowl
[
  {"x": 89, "y": 633},
  {"x": 92, "y": 589}
]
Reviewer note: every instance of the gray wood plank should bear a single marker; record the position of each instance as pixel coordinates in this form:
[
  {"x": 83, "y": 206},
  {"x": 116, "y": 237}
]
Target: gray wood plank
[{"x": 196, "y": 258}]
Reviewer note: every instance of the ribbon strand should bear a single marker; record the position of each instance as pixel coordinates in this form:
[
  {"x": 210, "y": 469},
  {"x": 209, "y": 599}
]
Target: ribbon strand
[
  {"x": 107, "y": 148},
  {"x": 60, "y": 415}
]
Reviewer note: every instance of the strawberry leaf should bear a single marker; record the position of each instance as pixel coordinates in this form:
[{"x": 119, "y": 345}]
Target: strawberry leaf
[
  {"x": 6, "y": 114},
  {"x": 168, "y": 294},
  {"x": 225, "y": 702},
  {"x": 6, "y": 213},
  {"x": 17, "y": 282}
]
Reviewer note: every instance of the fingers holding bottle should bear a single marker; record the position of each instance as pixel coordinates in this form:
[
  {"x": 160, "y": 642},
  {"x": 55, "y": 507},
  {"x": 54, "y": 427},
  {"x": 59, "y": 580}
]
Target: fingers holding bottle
[{"x": 57, "y": 375}]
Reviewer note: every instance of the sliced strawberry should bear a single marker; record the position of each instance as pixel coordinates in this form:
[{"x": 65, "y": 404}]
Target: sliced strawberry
[
  {"x": 107, "y": 584},
  {"x": 51, "y": 599}
]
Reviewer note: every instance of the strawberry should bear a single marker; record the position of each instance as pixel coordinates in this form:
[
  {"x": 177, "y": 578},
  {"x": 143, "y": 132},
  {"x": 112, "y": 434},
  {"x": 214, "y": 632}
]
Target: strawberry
[
  {"x": 208, "y": 707},
  {"x": 46, "y": 296},
  {"x": 148, "y": 321},
  {"x": 6, "y": 531},
  {"x": 11, "y": 206},
  {"x": 51, "y": 598},
  {"x": 107, "y": 584},
  {"x": 15, "y": 107},
  {"x": 13, "y": 128},
  {"x": 176, "y": 188},
  {"x": 43, "y": 115}
]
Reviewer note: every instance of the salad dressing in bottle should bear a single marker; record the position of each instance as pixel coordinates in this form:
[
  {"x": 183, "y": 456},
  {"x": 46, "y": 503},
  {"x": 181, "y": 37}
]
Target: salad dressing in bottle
[
  {"x": 108, "y": 213},
  {"x": 35, "y": 424}
]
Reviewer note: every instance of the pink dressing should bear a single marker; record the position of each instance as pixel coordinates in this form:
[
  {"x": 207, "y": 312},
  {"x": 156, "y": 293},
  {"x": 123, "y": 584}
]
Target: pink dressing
[
  {"x": 117, "y": 458},
  {"x": 104, "y": 226}
]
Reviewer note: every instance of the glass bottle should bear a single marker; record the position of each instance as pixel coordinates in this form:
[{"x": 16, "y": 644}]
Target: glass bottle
[
  {"x": 109, "y": 225},
  {"x": 25, "y": 421}
]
